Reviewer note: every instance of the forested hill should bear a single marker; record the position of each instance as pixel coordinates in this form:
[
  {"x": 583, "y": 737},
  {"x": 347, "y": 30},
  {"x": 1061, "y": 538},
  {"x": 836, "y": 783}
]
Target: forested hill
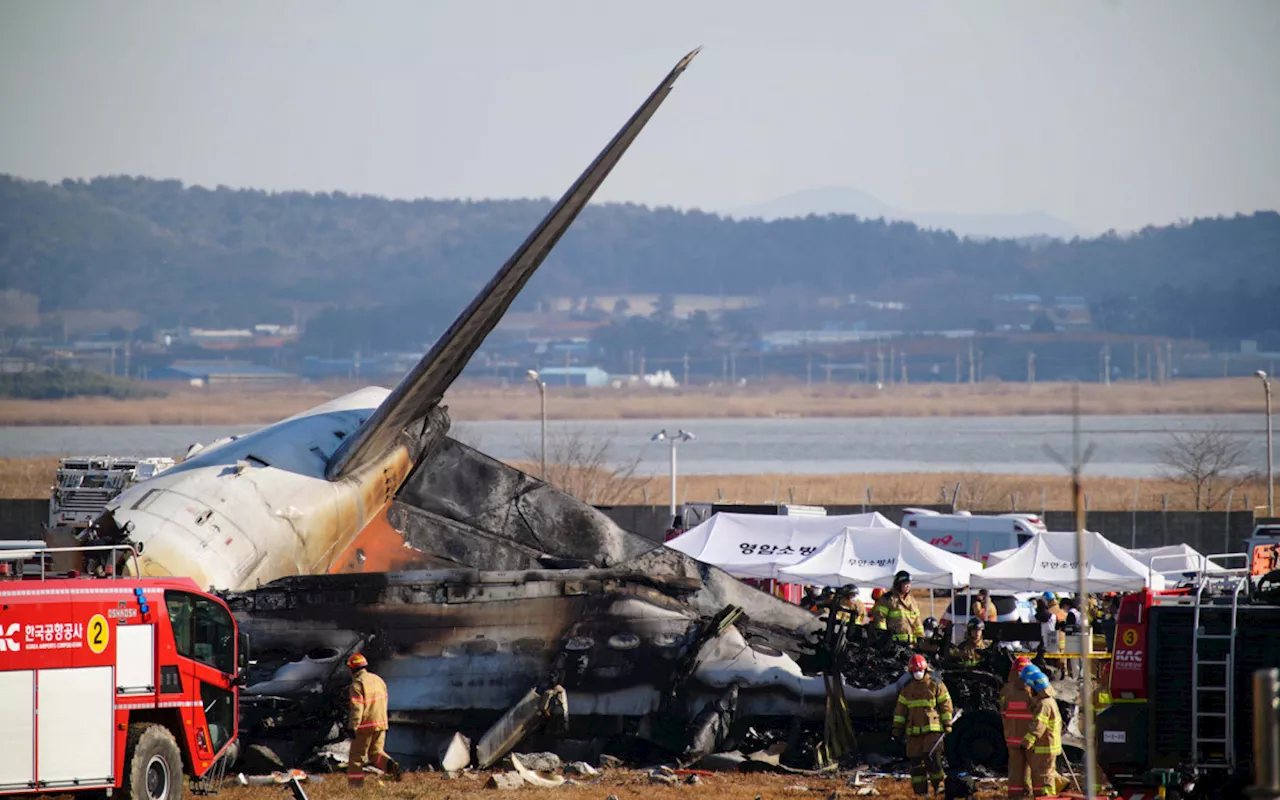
[{"x": 239, "y": 256}]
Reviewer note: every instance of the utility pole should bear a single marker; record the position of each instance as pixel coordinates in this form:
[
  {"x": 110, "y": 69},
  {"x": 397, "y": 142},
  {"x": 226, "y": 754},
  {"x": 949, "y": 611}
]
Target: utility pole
[
  {"x": 957, "y": 366},
  {"x": 904, "y": 369},
  {"x": 674, "y": 439},
  {"x": 971, "y": 361},
  {"x": 979, "y": 366},
  {"x": 893, "y": 356},
  {"x": 808, "y": 371},
  {"x": 733, "y": 367},
  {"x": 1031, "y": 367},
  {"x": 1135, "y": 361},
  {"x": 879, "y": 364},
  {"x": 1106, "y": 365},
  {"x": 1168, "y": 361},
  {"x": 1271, "y": 481},
  {"x": 686, "y": 370}
]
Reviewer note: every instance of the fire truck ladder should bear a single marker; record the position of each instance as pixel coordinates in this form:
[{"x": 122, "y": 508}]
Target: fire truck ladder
[{"x": 1213, "y": 656}]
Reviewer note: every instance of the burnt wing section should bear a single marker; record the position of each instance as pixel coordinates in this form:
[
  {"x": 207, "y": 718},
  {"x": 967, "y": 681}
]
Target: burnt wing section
[{"x": 471, "y": 508}]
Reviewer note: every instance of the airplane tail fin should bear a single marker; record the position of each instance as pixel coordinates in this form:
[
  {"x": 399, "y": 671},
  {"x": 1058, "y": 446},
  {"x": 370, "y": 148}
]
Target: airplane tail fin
[{"x": 426, "y": 383}]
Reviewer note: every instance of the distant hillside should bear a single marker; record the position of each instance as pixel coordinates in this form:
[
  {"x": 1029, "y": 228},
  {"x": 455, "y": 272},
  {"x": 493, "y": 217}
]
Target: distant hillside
[
  {"x": 843, "y": 200},
  {"x": 233, "y": 257}
]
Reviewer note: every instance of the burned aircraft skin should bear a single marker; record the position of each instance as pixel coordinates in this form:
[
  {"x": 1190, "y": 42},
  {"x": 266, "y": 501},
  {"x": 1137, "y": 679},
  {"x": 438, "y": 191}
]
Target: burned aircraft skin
[
  {"x": 460, "y": 647},
  {"x": 623, "y": 629}
]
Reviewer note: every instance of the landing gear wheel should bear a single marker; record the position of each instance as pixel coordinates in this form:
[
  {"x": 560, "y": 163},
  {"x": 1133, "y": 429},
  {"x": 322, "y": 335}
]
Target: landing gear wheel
[
  {"x": 153, "y": 763},
  {"x": 977, "y": 739}
]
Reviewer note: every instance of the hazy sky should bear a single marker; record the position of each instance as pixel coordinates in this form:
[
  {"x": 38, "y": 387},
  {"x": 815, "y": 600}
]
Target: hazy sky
[{"x": 1107, "y": 114}]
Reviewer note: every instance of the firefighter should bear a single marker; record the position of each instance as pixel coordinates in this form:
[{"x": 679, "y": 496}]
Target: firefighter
[
  {"x": 924, "y": 714},
  {"x": 1015, "y": 713},
  {"x": 970, "y": 651},
  {"x": 369, "y": 722},
  {"x": 896, "y": 612},
  {"x": 985, "y": 609},
  {"x": 851, "y": 610},
  {"x": 1043, "y": 740}
]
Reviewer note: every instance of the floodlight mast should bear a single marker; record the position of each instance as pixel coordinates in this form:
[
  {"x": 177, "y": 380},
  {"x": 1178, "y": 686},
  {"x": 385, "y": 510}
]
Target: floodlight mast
[{"x": 532, "y": 375}]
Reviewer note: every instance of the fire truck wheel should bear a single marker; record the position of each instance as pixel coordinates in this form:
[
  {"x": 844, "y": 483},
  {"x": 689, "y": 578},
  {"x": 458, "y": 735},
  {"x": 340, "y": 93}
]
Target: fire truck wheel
[{"x": 154, "y": 764}]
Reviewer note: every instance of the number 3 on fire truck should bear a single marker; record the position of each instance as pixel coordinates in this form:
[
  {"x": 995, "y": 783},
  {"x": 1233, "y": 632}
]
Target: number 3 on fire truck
[{"x": 99, "y": 633}]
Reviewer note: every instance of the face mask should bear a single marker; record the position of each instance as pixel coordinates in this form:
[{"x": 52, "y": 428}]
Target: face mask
[{"x": 918, "y": 675}]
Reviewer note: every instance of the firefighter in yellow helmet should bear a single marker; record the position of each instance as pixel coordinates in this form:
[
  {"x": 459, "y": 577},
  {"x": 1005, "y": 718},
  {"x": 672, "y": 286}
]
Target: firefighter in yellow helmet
[
  {"x": 924, "y": 714},
  {"x": 1015, "y": 713},
  {"x": 368, "y": 720},
  {"x": 897, "y": 613},
  {"x": 1043, "y": 741}
]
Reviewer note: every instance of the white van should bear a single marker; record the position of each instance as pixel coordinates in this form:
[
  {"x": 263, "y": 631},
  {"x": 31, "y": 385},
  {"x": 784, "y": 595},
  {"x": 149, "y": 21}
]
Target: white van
[{"x": 972, "y": 536}]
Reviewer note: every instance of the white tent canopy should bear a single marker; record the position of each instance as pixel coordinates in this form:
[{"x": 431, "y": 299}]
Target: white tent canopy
[
  {"x": 871, "y": 556},
  {"x": 758, "y": 545},
  {"x": 1175, "y": 559},
  {"x": 1048, "y": 563}
]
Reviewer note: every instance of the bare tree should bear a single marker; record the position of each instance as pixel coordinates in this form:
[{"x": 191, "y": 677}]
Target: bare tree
[
  {"x": 1209, "y": 463},
  {"x": 978, "y": 492},
  {"x": 584, "y": 466}
]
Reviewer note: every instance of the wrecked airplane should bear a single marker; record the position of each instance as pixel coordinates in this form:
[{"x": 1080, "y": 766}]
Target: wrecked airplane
[{"x": 506, "y": 611}]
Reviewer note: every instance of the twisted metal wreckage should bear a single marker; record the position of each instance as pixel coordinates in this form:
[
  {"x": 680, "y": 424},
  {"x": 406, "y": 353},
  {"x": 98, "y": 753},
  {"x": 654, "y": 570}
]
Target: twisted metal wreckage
[{"x": 516, "y": 609}]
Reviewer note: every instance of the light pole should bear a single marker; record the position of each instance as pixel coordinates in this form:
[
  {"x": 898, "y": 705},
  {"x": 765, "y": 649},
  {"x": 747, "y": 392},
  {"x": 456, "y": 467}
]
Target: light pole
[
  {"x": 542, "y": 398},
  {"x": 1271, "y": 483},
  {"x": 681, "y": 436}
]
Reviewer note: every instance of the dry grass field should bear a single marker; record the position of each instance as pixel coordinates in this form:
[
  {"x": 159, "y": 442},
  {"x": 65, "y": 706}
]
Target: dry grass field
[
  {"x": 31, "y": 478},
  {"x": 238, "y": 406}
]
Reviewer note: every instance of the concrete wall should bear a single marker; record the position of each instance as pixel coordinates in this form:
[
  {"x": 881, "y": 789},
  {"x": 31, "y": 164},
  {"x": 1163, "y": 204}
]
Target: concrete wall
[
  {"x": 652, "y": 521},
  {"x": 23, "y": 519},
  {"x": 1207, "y": 531}
]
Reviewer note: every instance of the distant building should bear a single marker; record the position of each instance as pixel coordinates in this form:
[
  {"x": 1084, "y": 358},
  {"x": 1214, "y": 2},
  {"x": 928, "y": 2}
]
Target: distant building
[
  {"x": 574, "y": 376},
  {"x": 200, "y": 373}
]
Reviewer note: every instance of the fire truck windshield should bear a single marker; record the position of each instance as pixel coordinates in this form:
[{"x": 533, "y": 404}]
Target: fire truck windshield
[{"x": 202, "y": 630}]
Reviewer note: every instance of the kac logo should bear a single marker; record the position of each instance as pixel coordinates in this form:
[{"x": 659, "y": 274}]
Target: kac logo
[{"x": 8, "y": 642}]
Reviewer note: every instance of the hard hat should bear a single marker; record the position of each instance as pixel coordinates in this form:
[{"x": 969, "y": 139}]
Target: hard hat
[
  {"x": 850, "y": 588},
  {"x": 902, "y": 577},
  {"x": 917, "y": 664},
  {"x": 1049, "y": 596},
  {"x": 930, "y": 623},
  {"x": 357, "y": 661},
  {"x": 977, "y": 623},
  {"x": 1035, "y": 680},
  {"x": 1022, "y": 662},
  {"x": 876, "y": 594}
]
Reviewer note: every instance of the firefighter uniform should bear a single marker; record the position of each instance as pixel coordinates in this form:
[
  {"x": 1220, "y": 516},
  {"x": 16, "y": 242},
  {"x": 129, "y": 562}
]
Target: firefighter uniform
[
  {"x": 368, "y": 719},
  {"x": 898, "y": 614},
  {"x": 1015, "y": 713},
  {"x": 969, "y": 653},
  {"x": 1043, "y": 740},
  {"x": 924, "y": 714}
]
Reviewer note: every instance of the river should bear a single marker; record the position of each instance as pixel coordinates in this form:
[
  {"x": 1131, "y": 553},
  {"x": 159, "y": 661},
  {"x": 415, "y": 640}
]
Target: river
[{"x": 1124, "y": 446}]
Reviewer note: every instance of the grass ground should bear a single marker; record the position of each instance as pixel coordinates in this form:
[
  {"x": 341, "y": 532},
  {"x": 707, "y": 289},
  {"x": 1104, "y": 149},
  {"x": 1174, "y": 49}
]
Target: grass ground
[
  {"x": 187, "y": 405},
  {"x": 31, "y": 478},
  {"x": 624, "y": 784}
]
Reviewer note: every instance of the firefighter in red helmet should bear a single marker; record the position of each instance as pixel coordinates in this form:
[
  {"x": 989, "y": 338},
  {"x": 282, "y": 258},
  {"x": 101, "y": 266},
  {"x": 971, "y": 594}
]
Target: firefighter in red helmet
[
  {"x": 368, "y": 721},
  {"x": 924, "y": 714}
]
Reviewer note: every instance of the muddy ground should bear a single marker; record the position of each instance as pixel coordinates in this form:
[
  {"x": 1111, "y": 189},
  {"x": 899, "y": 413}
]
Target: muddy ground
[{"x": 622, "y": 783}]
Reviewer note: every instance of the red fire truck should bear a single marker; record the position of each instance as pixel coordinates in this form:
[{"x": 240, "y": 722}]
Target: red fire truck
[
  {"x": 1180, "y": 723},
  {"x": 113, "y": 682}
]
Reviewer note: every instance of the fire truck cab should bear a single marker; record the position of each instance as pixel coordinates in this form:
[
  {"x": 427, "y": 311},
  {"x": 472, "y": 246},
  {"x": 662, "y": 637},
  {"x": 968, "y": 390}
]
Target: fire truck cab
[{"x": 114, "y": 683}]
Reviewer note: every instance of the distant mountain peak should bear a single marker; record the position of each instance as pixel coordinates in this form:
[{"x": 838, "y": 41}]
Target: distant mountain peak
[{"x": 825, "y": 200}]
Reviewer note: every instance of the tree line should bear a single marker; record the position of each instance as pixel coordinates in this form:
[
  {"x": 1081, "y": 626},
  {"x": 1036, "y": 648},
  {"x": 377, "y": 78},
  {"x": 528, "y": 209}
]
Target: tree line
[{"x": 225, "y": 257}]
